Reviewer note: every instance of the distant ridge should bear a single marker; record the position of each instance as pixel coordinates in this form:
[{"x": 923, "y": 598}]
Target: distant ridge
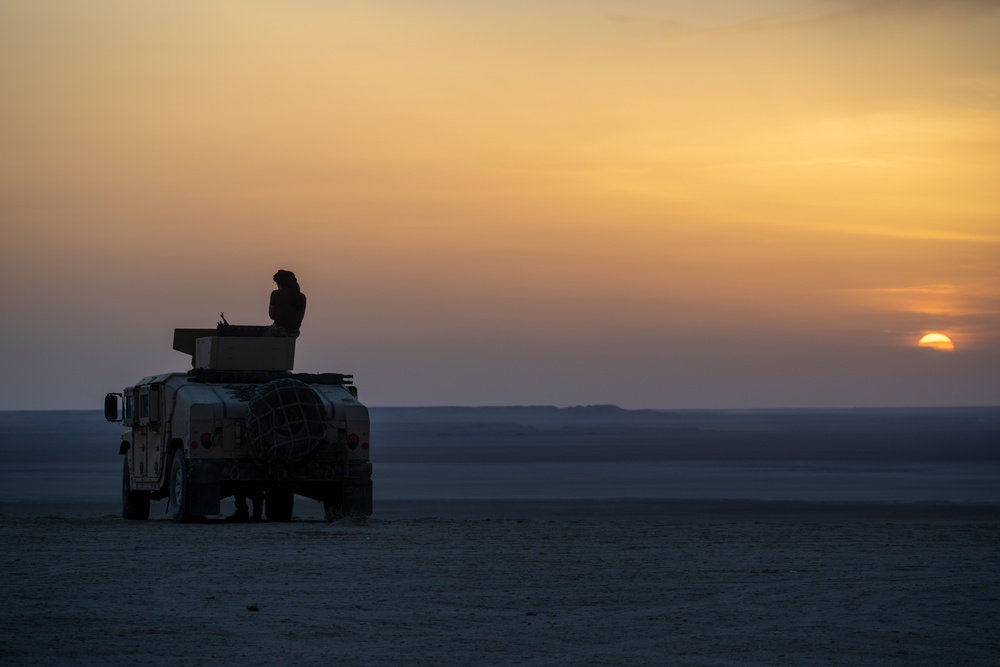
[
  {"x": 586, "y": 433},
  {"x": 611, "y": 433}
]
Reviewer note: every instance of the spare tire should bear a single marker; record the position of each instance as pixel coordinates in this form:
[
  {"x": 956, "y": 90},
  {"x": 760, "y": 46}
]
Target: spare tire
[{"x": 285, "y": 422}]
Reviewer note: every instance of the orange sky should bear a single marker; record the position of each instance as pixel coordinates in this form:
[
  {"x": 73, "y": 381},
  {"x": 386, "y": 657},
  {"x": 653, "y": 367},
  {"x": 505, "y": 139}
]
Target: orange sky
[{"x": 654, "y": 204}]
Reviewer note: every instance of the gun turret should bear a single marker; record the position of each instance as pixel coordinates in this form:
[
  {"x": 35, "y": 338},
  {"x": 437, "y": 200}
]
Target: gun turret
[{"x": 236, "y": 348}]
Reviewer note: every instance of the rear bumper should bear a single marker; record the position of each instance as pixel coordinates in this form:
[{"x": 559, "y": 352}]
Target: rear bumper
[
  {"x": 229, "y": 470},
  {"x": 344, "y": 486}
]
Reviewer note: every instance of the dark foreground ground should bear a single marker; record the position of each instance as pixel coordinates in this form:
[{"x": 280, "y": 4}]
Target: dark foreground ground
[
  {"x": 531, "y": 536},
  {"x": 501, "y": 583}
]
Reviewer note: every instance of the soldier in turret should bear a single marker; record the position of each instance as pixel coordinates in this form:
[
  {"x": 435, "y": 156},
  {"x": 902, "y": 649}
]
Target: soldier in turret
[{"x": 287, "y": 307}]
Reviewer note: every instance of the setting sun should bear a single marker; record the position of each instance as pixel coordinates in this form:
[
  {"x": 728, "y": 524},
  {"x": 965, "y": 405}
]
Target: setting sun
[{"x": 937, "y": 341}]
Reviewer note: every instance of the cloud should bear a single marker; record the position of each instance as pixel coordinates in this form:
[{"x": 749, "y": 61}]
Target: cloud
[
  {"x": 971, "y": 298},
  {"x": 897, "y": 12},
  {"x": 863, "y": 163},
  {"x": 826, "y": 13},
  {"x": 915, "y": 234},
  {"x": 908, "y": 10},
  {"x": 968, "y": 312}
]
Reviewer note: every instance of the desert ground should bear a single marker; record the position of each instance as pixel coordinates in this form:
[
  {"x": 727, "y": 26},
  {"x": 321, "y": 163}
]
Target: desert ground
[
  {"x": 506, "y": 582},
  {"x": 531, "y": 536}
]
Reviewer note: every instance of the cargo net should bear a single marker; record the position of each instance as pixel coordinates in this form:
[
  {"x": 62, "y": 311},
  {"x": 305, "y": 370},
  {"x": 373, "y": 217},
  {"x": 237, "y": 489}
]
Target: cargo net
[{"x": 285, "y": 422}]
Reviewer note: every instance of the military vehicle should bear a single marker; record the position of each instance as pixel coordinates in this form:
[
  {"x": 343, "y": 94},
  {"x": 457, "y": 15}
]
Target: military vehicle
[{"x": 240, "y": 422}]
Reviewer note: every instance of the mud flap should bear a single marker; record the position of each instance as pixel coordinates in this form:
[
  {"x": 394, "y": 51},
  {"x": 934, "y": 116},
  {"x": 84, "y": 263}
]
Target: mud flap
[
  {"x": 358, "y": 498},
  {"x": 204, "y": 499}
]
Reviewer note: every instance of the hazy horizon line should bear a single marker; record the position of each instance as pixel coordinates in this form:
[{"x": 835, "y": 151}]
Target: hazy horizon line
[{"x": 595, "y": 406}]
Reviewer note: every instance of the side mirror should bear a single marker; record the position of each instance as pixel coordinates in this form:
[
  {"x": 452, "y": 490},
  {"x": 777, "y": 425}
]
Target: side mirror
[{"x": 111, "y": 408}]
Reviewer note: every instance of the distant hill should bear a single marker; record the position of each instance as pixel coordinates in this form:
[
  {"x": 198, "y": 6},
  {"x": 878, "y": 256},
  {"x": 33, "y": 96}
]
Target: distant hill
[
  {"x": 58, "y": 436},
  {"x": 610, "y": 433},
  {"x": 585, "y": 433}
]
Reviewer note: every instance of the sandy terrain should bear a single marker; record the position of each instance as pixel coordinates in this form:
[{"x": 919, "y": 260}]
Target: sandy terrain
[
  {"x": 498, "y": 583},
  {"x": 762, "y": 538}
]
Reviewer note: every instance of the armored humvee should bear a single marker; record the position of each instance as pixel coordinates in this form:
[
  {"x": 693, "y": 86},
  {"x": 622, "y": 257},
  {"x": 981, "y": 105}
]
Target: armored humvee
[{"x": 240, "y": 422}]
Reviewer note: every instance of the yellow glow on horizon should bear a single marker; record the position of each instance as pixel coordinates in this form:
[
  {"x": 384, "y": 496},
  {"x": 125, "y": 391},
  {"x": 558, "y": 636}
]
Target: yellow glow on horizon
[{"x": 937, "y": 341}]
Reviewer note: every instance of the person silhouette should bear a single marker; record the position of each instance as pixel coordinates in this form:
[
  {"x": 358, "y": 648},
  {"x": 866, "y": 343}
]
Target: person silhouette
[
  {"x": 287, "y": 307},
  {"x": 286, "y": 310}
]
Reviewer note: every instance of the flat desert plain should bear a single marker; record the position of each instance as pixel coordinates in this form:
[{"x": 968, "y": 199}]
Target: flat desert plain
[
  {"x": 531, "y": 536},
  {"x": 507, "y": 582}
]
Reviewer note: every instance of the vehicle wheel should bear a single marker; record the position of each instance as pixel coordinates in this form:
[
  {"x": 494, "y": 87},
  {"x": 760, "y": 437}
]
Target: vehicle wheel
[
  {"x": 135, "y": 504},
  {"x": 278, "y": 505},
  {"x": 178, "y": 506},
  {"x": 334, "y": 511}
]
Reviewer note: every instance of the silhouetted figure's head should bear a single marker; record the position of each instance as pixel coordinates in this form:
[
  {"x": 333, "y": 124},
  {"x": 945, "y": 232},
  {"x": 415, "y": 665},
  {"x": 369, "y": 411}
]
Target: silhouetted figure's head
[{"x": 286, "y": 281}]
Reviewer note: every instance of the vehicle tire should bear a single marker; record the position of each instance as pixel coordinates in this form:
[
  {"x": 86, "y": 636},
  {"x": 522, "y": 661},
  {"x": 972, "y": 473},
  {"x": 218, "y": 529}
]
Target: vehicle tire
[
  {"x": 178, "y": 502},
  {"x": 333, "y": 510},
  {"x": 278, "y": 505},
  {"x": 135, "y": 504}
]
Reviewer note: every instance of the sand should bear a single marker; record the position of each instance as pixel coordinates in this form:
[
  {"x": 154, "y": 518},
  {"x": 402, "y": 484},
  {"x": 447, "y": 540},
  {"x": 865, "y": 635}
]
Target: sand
[{"x": 507, "y": 582}]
